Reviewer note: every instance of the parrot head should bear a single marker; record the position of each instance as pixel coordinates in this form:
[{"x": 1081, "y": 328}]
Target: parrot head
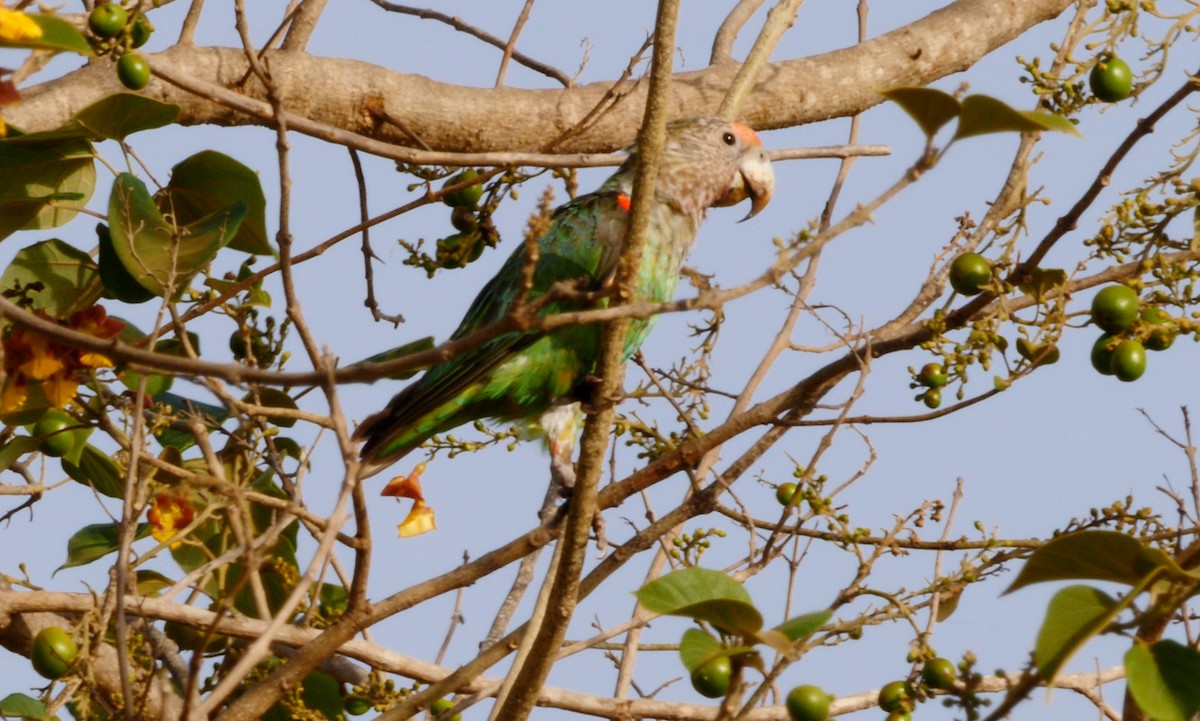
[{"x": 709, "y": 161}]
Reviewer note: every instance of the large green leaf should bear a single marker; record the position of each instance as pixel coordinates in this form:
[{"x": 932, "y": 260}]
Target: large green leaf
[
  {"x": 696, "y": 647},
  {"x": 209, "y": 182},
  {"x": 156, "y": 254},
  {"x": 69, "y": 277},
  {"x": 117, "y": 281},
  {"x": 982, "y": 114},
  {"x": 705, "y": 595},
  {"x": 1163, "y": 679},
  {"x": 783, "y": 637},
  {"x": 57, "y": 34},
  {"x": 1074, "y": 616},
  {"x": 1095, "y": 555},
  {"x": 97, "y": 470},
  {"x": 930, "y": 108},
  {"x": 96, "y": 541},
  {"x": 55, "y": 176},
  {"x": 18, "y": 705},
  {"x": 118, "y": 115}
]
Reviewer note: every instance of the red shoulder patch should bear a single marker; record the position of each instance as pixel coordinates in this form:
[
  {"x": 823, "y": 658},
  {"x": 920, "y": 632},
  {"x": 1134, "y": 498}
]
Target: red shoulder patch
[{"x": 623, "y": 202}]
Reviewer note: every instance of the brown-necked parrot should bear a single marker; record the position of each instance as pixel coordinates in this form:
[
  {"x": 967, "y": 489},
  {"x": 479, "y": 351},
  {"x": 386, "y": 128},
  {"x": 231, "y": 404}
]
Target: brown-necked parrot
[{"x": 706, "y": 162}]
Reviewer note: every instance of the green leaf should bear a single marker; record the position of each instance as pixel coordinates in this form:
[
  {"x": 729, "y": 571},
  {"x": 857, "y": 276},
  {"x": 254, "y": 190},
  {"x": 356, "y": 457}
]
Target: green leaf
[
  {"x": 1162, "y": 679},
  {"x": 96, "y": 541},
  {"x": 696, "y": 647},
  {"x": 18, "y": 705},
  {"x": 96, "y": 470},
  {"x": 1074, "y": 616},
  {"x": 415, "y": 346},
  {"x": 57, "y": 34},
  {"x": 275, "y": 398},
  {"x": 705, "y": 595},
  {"x": 150, "y": 583},
  {"x": 803, "y": 626},
  {"x": 171, "y": 403},
  {"x": 119, "y": 115},
  {"x": 54, "y": 177},
  {"x": 1095, "y": 555},
  {"x": 983, "y": 114},
  {"x": 15, "y": 448},
  {"x": 209, "y": 182},
  {"x": 117, "y": 281},
  {"x": 930, "y": 108},
  {"x": 69, "y": 277},
  {"x": 149, "y": 247}
]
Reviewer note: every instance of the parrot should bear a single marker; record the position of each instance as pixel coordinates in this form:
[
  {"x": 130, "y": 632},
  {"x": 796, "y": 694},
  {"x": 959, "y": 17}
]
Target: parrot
[{"x": 527, "y": 375}]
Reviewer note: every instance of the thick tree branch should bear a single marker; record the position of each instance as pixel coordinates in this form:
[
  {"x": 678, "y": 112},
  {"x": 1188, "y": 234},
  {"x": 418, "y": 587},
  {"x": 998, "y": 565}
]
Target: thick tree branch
[{"x": 460, "y": 119}]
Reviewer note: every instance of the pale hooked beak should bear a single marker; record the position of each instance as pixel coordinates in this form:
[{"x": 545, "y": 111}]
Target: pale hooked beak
[{"x": 754, "y": 180}]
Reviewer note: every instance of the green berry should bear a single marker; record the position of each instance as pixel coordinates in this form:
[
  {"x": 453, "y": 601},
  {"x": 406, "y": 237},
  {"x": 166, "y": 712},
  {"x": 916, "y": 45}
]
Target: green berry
[
  {"x": 467, "y": 197},
  {"x": 53, "y": 651},
  {"x": 939, "y": 673},
  {"x": 711, "y": 679},
  {"x": 969, "y": 273},
  {"x": 932, "y": 375},
  {"x": 1114, "y": 308},
  {"x": 133, "y": 71},
  {"x": 808, "y": 703},
  {"x": 107, "y": 20},
  {"x": 1111, "y": 80},
  {"x": 1129, "y": 360},
  {"x": 896, "y": 696},
  {"x": 785, "y": 492}
]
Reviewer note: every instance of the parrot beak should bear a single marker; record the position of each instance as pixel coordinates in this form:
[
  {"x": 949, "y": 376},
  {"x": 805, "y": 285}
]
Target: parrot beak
[{"x": 754, "y": 180}]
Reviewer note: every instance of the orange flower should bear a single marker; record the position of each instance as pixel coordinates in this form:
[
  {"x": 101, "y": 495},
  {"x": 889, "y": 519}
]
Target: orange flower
[
  {"x": 57, "y": 368},
  {"x": 168, "y": 515}
]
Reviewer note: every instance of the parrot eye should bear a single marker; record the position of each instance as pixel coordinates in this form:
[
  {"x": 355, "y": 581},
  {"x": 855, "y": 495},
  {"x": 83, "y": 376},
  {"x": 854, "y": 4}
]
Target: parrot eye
[{"x": 729, "y": 138}]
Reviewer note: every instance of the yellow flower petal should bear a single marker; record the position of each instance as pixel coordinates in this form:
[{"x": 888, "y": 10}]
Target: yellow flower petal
[
  {"x": 94, "y": 360},
  {"x": 44, "y": 363},
  {"x": 15, "y": 393},
  {"x": 60, "y": 389},
  {"x": 16, "y": 25},
  {"x": 420, "y": 520}
]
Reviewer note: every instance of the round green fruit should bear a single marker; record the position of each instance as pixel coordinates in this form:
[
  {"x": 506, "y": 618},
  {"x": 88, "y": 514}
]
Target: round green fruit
[
  {"x": 441, "y": 706},
  {"x": 785, "y": 492},
  {"x": 133, "y": 71},
  {"x": 463, "y": 218},
  {"x": 899, "y": 716},
  {"x": 895, "y": 696},
  {"x": 140, "y": 31},
  {"x": 53, "y": 652},
  {"x": 1129, "y": 360},
  {"x": 969, "y": 273},
  {"x": 107, "y": 20},
  {"x": 932, "y": 398},
  {"x": 808, "y": 703},
  {"x": 357, "y": 705},
  {"x": 1102, "y": 354},
  {"x": 932, "y": 375},
  {"x": 939, "y": 673},
  {"x": 1114, "y": 308},
  {"x": 467, "y": 197},
  {"x": 1162, "y": 329},
  {"x": 1111, "y": 80},
  {"x": 51, "y": 431},
  {"x": 711, "y": 678}
]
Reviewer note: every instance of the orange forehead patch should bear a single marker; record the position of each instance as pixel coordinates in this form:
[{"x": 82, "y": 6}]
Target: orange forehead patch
[{"x": 746, "y": 134}]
